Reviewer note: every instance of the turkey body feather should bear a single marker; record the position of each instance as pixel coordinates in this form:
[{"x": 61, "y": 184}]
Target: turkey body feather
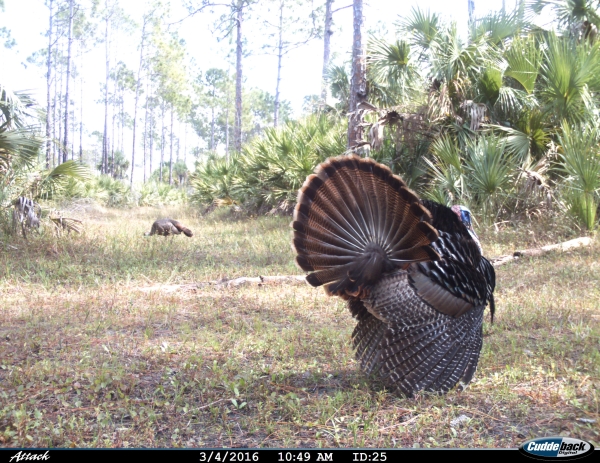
[{"x": 411, "y": 270}]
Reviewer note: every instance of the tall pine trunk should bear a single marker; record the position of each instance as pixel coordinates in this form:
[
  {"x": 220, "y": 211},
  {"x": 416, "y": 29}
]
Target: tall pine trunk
[
  {"x": 358, "y": 88},
  {"x": 54, "y": 104},
  {"x": 162, "y": 143},
  {"x": 105, "y": 139},
  {"x": 151, "y": 137},
  {"x": 279, "y": 58},
  {"x": 60, "y": 99},
  {"x": 135, "y": 107},
  {"x": 48, "y": 83},
  {"x": 327, "y": 33},
  {"x": 112, "y": 145},
  {"x": 171, "y": 150},
  {"x": 212, "y": 119},
  {"x": 70, "y": 41},
  {"x": 185, "y": 131},
  {"x": 237, "y": 137},
  {"x": 227, "y": 119},
  {"x": 73, "y": 125},
  {"x": 112, "y": 135},
  {"x": 145, "y": 137},
  {"x": 81, "y": 110}
]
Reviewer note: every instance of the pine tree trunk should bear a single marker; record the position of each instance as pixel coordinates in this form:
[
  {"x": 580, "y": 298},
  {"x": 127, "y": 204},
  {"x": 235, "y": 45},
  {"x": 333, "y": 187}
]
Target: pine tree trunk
[
  {"x": 73, "y": 125},
  {"x": 54, "y": 104},
  {"x": 59, "y": 112},
  {"x": 151, "y": 141},
  {"x": 279, "y": 58},
  {"x": 178, "y": 140},
  {"x": 112, "y": 133},
  {"x": 162, "y": 144},
  {"x": 48, "y": 82},
  {"x": 171, "y": 151},
  {"x": 238, "y": 79},
  {"x": 212, "y": 120},
  {"x": 327, "y": 33},
  {"x": 70, "y": 41},
  {"x": 112, "y": 145},
  {"x": 227, "y": 120},
  {"x": 145, "y": 137},
  {"x": 105, "y": 142},
  {"x": 137, "y": 94},
  {"x": 81, "y": 110},
  {"x": 122, "y": 123},
  {"x": 358, "y": 89}
]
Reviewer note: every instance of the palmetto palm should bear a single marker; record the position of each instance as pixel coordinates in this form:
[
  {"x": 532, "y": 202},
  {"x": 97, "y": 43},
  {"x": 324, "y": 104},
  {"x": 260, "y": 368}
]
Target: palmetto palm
[
  {"x": 272, "y": 168},
  {"x": 20, "y": 141},
  {"x": 213, "y": 179},
  {"x": 569, "y": 70},
  {"x": 580, "y": 164}
]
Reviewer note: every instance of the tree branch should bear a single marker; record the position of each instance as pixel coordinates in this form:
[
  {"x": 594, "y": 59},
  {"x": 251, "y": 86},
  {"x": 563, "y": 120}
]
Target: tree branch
[
  {"x": 193, "y": 13},
  {"x": 341, "y": 8}
]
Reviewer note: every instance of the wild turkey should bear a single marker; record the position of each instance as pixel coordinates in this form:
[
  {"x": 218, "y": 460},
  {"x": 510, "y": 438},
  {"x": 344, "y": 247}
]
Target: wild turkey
[
  {"x": 411, "y": 270},
  {"x": 166, "y": 227},
  {"x": 27, "y": 213}
]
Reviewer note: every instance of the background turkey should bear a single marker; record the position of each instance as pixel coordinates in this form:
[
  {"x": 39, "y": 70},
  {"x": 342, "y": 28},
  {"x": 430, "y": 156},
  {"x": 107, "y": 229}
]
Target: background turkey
[
  {"x": 166, "y": 227},
  {"x": 412, "y": 272}
]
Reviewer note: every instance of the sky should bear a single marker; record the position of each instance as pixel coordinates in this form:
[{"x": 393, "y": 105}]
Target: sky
[{"x": 301, "y": 73}]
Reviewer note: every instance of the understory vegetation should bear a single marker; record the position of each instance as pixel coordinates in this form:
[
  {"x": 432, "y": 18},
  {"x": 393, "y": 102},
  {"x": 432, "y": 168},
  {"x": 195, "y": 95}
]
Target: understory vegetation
[{"x": 113, "y": 339}]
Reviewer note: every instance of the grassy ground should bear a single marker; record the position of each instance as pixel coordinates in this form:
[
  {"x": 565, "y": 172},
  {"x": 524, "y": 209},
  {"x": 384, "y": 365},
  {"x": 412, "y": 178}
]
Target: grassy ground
[{"x": 88, "y": 358}]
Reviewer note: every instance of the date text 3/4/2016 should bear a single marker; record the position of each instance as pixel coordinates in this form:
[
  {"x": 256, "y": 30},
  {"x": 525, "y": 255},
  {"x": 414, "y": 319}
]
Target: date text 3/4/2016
[{"x": 226, "y": 456}]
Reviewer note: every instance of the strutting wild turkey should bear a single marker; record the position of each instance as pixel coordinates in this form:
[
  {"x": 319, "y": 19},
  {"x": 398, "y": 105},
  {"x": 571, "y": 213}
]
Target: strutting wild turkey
[
  {"x": 411, "y": 270},
  {"x": 166, "y": 227}
]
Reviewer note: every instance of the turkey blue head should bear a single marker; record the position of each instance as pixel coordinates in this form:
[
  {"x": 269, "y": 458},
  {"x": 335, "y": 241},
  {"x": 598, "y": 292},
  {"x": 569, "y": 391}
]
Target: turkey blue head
[{"x": 464, "y": 214}]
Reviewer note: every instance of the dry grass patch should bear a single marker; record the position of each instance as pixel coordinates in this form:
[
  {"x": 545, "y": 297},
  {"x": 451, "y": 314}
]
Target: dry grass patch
[{"x": 88, "y": 359}]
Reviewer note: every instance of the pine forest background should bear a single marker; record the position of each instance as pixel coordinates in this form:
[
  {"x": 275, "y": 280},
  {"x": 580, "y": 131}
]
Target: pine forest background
[{"x": 501, "y": 115}]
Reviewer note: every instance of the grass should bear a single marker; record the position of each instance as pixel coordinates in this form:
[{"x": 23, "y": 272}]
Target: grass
[{"x": 88, "y": 358}]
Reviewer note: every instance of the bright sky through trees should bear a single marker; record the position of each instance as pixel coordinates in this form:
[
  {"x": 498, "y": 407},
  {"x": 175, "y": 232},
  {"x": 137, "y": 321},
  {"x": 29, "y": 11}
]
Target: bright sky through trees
[
  {"x": 207, "y": 45},
  {"x": 27, "y": 20}
]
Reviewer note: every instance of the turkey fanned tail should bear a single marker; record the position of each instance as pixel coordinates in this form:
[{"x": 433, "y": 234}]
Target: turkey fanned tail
[
  {"x": 356, "y": 220},
  {"x": 413, "y": 275}
]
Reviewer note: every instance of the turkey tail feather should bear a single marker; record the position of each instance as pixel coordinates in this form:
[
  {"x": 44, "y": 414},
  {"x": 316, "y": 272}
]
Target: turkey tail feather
[
  {"x": 186, "y": 231},
  {"x": 354, "y": 221}
]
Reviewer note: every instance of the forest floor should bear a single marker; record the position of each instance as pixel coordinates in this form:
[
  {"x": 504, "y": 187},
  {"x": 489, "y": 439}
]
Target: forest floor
[{"x": 98, "y": 347}]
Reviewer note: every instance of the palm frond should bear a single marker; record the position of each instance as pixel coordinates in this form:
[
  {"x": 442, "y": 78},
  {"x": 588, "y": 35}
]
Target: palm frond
[
  {"x": 580, "y": 163},
  {"x": 497, "y": 27},
  {"x": 422, "y": 27},
  {"x": 59, "y": 177},
  {"x": 524, "y": 58}
]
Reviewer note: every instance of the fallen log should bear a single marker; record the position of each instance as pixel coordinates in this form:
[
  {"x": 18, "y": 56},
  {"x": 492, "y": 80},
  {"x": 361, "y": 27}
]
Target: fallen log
[
  {"x": 535, "y": 252},
  {"x": 227, "y": 283},
  {"x": 262, "y": 280}
]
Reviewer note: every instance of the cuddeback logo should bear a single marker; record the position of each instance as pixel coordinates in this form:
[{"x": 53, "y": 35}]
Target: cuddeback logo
[{"x": 549, "y": 448}]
